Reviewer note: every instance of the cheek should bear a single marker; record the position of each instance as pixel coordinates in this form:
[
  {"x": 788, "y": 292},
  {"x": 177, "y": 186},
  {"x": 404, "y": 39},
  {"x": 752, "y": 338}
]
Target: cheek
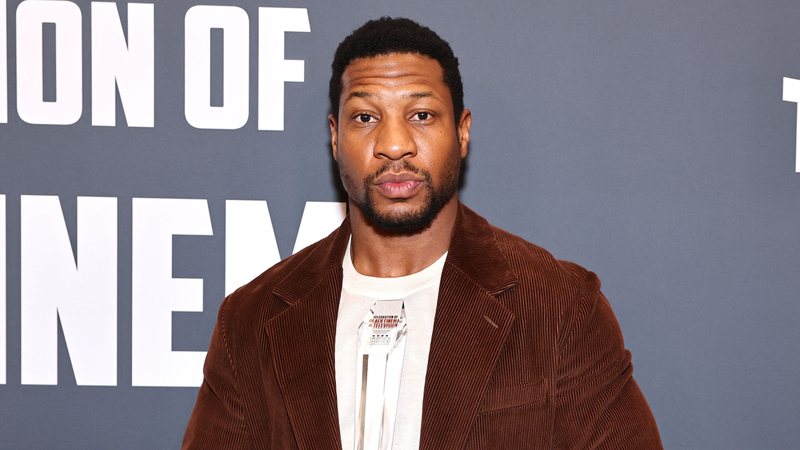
[
  {"x": 355, "y": 153},
  {"x": 446, "y": 161},
  {"x": 352, "y": 177},
  {"x": 351, "y": 166},
  {"x": 349, "y": 184}
]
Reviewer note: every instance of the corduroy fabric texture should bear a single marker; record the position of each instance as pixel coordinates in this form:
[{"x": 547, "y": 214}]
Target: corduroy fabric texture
[{"x": 525, "y": 354}]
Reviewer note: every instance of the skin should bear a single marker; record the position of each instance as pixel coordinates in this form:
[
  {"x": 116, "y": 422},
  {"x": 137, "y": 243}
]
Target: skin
[{"x": 396, "y": 124}]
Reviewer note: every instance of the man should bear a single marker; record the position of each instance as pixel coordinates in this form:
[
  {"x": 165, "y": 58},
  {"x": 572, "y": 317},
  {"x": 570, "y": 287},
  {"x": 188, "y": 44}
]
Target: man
[{"x": 505, "y": 347}]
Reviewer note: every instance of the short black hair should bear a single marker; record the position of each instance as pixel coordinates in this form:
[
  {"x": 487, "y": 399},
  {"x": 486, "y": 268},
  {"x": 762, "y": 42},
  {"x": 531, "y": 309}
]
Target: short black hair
[{"x": 389, "y": 35}]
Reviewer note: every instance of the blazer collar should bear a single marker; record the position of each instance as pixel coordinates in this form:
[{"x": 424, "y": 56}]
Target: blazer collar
[
  {"x": 475, "y": 252},
  {"x": 322, "y": 258}
]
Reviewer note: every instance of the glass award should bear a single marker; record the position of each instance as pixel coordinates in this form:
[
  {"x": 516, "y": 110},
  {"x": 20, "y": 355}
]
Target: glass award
[{"x": 381, "y": 345}]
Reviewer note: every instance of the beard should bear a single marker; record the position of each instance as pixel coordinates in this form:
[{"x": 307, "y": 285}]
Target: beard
[{"x": 409, "y": 222}]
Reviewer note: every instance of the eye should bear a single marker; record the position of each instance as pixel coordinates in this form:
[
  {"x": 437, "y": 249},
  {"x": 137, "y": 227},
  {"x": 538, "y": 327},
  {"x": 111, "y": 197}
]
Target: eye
[
  {"x": 365, "y": 118},
  {"x": 422, "y": 116}
]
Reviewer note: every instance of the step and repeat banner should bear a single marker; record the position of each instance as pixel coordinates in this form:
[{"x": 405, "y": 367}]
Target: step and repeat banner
[{"x": 156, "y": 155}]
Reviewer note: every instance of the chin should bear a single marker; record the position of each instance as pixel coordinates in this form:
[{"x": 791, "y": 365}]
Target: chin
[{"x": 401, "y": 222}]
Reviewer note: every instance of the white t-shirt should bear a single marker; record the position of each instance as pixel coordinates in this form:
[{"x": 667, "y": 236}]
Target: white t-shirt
[{"x": 359, "y": 292}]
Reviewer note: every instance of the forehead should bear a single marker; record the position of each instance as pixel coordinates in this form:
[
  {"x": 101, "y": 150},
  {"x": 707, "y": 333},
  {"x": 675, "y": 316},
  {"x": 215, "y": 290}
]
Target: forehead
[{"x": 394, "y": 72}]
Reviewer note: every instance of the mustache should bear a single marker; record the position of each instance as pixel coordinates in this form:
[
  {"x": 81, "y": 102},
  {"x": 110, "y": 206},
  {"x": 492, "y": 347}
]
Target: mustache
[{"x": 398, "y": 166}]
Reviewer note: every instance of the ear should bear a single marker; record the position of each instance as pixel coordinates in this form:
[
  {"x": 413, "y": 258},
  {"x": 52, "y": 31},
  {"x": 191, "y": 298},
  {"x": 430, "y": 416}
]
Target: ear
[
  {"x": 334, "y": 137},
  {"x": 464, "y": 124}
]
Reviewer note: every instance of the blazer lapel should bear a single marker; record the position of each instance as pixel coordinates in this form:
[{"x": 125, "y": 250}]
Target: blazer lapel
[
  {"x": 302, "y": 343},
  {"x": 470, "y": 328}
]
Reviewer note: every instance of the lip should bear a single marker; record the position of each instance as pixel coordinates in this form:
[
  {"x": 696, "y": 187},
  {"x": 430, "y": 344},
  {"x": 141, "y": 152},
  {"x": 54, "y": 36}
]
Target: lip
[
  {"x": 401, "y": 177},
  {"x": 398, "y": 185}
]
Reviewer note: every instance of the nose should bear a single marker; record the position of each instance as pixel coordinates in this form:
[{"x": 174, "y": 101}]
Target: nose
[{"x": 395, "y": 140}]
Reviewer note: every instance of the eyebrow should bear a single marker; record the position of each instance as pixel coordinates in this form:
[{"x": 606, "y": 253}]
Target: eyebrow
[
  {"x": 358, "y": 94},
  {"x": 364, "y": 94}
]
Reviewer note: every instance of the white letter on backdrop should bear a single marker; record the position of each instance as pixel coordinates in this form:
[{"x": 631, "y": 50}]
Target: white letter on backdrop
[
  {"x": 31, "y": 107},
  {"x": 156, "y": 294},
  {"x": 3, "y": 63},
  {"x": 319, "y": 220},
  {"x": 128, "y": 66},
  {"x": 250, "y": 245},
  {"x": 2, "y": 289},
  {"x": 273, "y": 70},
  {"x": 82, "y": 295},
  {"x": 235, "y": 26}
]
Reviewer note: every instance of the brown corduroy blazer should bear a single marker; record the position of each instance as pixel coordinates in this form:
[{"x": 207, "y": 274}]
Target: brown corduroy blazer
[{"x": 525, "y": 354}]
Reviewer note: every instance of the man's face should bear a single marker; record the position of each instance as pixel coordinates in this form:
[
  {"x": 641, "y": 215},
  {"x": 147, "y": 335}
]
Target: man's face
[{"x": 396, "y": 142}]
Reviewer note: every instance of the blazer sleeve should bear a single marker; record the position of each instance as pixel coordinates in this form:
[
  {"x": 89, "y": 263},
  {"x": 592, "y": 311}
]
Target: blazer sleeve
[
  {"x": 217, "y": 420},
  {"x": 598, "y": 403}
]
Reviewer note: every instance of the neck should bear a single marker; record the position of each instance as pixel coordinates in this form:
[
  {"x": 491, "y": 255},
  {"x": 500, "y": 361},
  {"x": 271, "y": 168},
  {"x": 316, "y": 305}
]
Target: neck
[{"x": 379, "y": 254}]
